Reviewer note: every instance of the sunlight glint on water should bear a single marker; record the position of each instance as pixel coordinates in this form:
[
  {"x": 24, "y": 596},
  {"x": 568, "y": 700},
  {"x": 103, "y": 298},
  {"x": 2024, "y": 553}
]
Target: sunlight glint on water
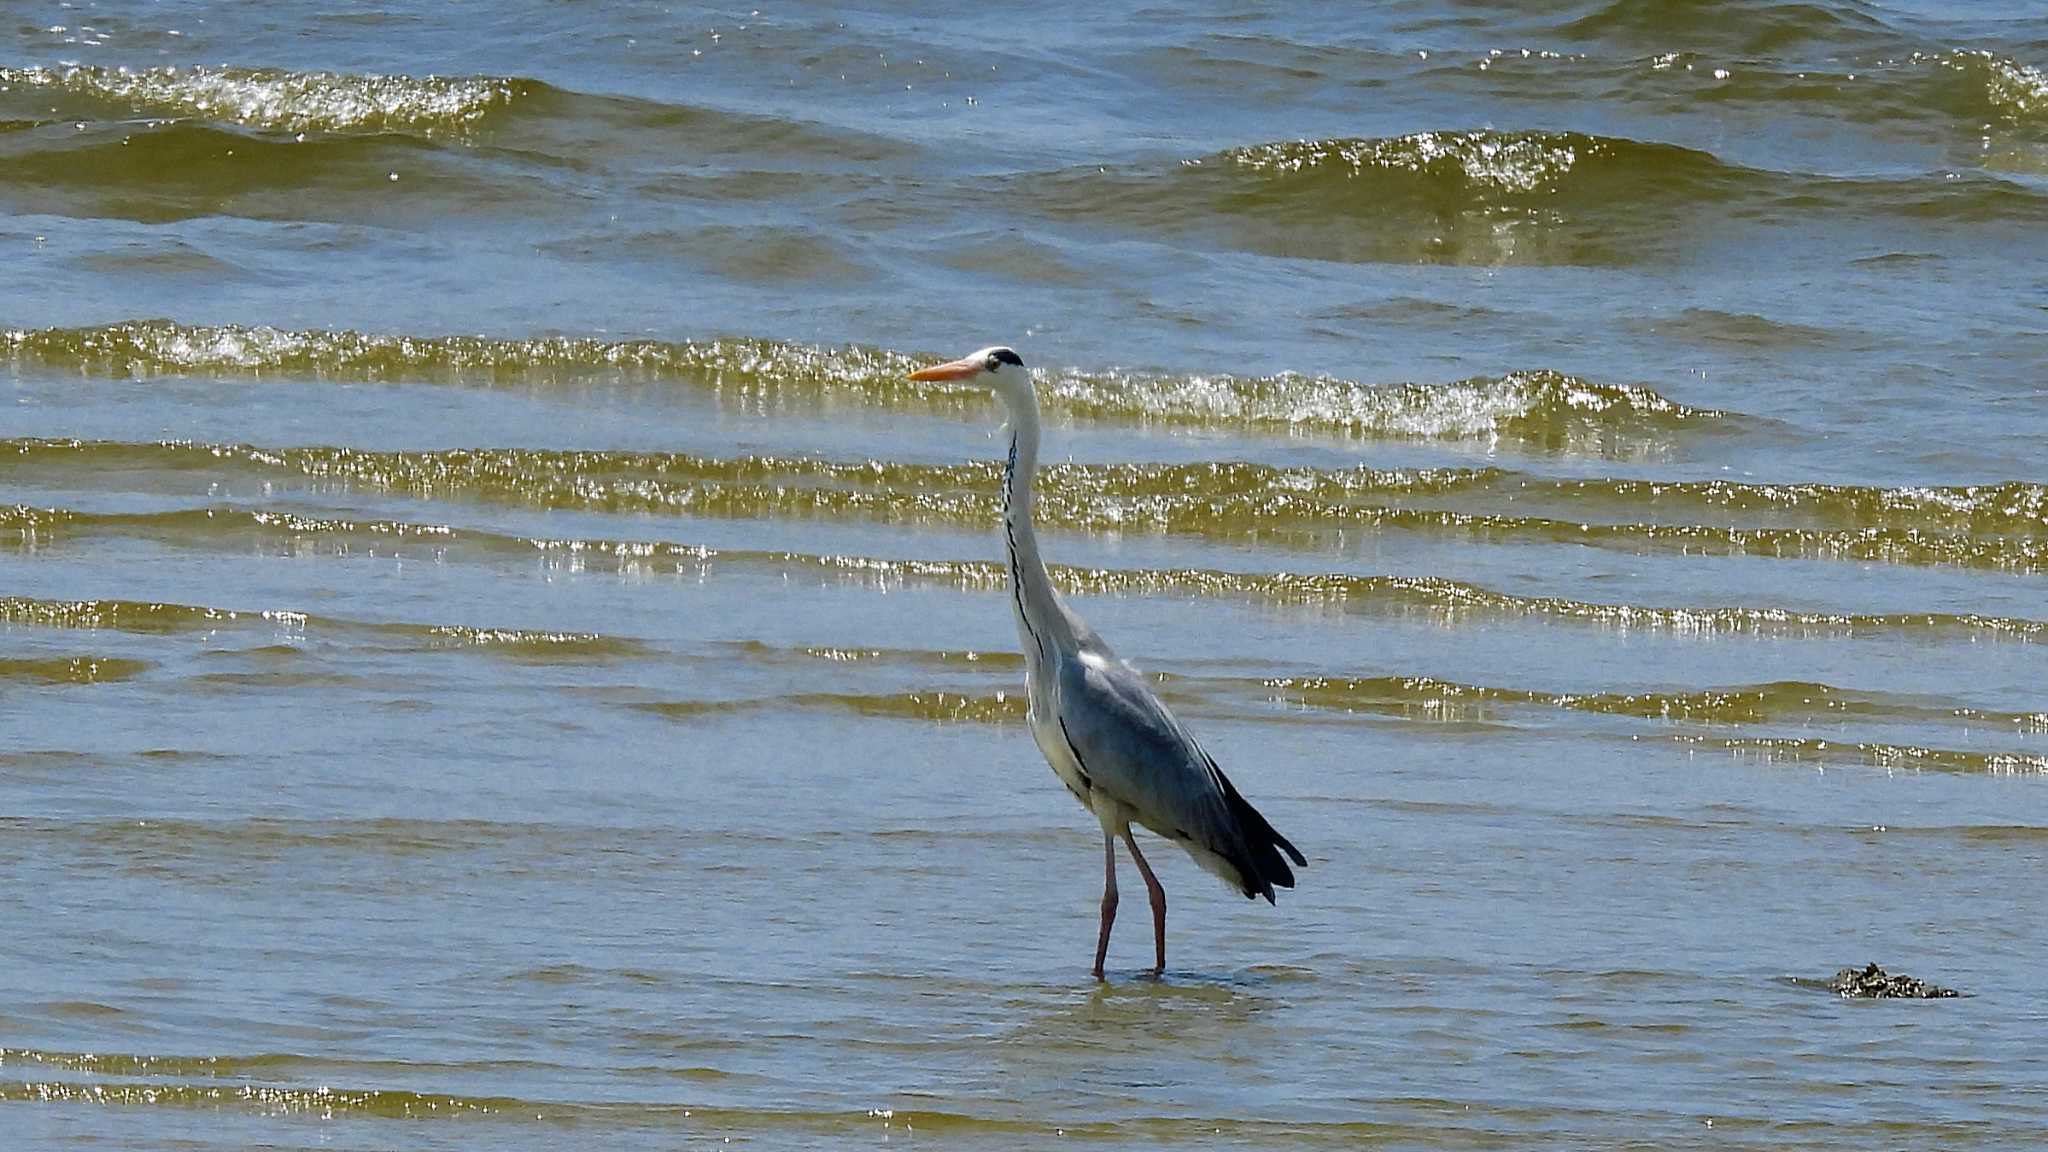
[{"x": 494, "y": 652}]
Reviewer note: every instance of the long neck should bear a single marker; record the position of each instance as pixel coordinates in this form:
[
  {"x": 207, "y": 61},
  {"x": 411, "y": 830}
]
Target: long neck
[{"x": 1041, "y": 622}]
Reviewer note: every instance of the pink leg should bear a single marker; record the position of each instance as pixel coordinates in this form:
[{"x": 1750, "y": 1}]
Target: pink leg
[
  {"x": 1108, "y": 900},
  {"x": 1158, "y": 895}
]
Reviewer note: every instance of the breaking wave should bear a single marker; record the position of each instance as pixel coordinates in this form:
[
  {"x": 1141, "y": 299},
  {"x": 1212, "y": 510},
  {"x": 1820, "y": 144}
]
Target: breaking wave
[
  {"x": 1543, "y": 409},
  {"x": 274, "y": 98}
]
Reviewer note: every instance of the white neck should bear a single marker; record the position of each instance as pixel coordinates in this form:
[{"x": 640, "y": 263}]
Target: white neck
[{"x": 1042, "y": 621}]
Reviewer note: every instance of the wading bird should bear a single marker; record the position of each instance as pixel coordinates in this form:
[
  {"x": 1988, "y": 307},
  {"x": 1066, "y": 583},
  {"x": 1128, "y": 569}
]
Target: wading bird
[{"x": 1106, "y": 735}]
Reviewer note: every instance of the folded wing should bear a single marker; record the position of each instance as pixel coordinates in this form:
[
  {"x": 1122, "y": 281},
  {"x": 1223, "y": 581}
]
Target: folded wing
[{"x": 1134, "y": 750}]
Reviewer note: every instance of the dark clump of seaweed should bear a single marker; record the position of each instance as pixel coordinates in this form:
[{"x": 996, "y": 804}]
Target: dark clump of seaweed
[{"x": 1874, "y": 983}]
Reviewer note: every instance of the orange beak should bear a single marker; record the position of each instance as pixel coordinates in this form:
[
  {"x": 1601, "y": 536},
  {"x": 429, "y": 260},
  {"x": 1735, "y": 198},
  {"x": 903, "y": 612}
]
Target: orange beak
[{"x": 952, "y": 370}]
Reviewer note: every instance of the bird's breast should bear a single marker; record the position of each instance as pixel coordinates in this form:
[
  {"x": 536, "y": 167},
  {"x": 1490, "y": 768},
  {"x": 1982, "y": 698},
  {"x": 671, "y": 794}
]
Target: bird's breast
[
  {"x": 1046, "y": 732},
  {"x": 1053, "y": 744}
]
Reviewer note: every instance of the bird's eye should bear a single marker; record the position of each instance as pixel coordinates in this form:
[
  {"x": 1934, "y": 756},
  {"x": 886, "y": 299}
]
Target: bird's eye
[{"x": 994, "y": 364}]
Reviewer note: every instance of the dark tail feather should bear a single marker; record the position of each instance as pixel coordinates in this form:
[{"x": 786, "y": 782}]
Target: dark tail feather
[{"x": 1263, "y": 844}]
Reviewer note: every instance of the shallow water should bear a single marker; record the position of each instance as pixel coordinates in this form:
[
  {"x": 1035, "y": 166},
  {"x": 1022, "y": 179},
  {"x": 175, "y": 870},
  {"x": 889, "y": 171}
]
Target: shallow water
[{"x": 494, "y": 653}]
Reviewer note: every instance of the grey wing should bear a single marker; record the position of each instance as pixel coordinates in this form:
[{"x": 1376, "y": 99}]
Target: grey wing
[{"x": 1133, "y": 749}]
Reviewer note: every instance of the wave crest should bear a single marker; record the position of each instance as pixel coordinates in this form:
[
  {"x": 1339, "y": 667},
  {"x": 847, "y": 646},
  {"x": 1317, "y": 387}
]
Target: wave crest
[
  {"x": 1516, "y": 162},
  {"x": 2018, "y": 92},
  {"x": 279, "y": 99},
  {"x": 1481, "y": 167},
  {"x": 1543, "y": 409}
]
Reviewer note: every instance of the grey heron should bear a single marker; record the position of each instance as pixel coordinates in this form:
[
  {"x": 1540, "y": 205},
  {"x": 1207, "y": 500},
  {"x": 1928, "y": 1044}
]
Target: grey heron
[{"x": 1108, "y": 737}]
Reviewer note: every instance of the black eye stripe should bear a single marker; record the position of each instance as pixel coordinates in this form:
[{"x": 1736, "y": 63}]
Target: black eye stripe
[{"x": 1005, "y": 356}]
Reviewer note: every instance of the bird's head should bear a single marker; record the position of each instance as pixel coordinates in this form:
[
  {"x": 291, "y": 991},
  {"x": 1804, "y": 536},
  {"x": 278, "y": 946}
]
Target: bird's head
[{"x": 996, "y": 368}]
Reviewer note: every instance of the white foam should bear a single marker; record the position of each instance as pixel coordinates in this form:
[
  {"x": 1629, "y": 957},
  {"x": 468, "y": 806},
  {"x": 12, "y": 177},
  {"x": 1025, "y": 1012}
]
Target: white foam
[{"x": 287, "y": 101}]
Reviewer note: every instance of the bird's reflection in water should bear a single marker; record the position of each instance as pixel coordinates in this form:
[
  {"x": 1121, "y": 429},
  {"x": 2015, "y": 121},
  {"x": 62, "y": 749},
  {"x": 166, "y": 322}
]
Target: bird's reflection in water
[
  {"x": 1132, "y": 1006},
  {"x": 1135, "y": 1043}
]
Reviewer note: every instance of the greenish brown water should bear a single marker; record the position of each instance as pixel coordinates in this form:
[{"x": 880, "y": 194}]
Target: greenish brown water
[{"x": 495, "y": 653}]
